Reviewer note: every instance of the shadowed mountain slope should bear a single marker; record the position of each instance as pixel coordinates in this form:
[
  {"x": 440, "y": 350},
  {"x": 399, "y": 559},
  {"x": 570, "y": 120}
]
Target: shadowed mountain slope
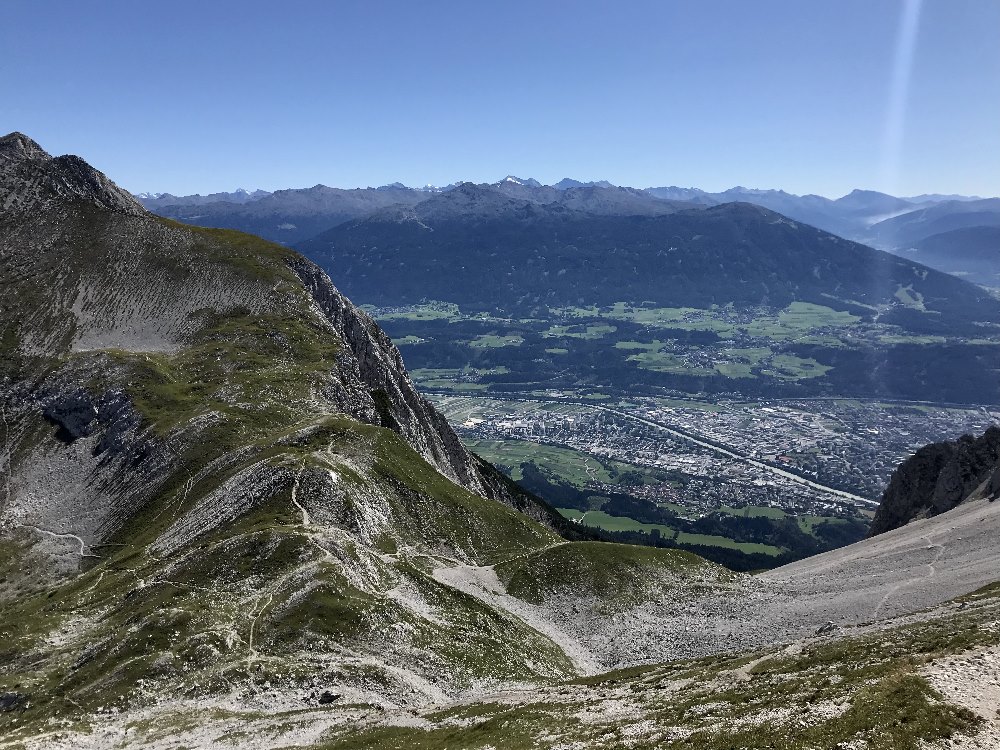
[
  {"x": 973, "y": 253},
  {"x": 909, "y": 228},
  {"x": 476, "y": 248}
]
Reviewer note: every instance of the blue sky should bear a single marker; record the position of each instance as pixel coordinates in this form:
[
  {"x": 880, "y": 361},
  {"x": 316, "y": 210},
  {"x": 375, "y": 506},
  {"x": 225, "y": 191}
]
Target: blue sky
[{"x": 799, "y": 94}]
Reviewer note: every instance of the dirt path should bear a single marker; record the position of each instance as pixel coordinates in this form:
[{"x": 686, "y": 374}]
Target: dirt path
[
  {"x": 83, "y": 545},
  {"x": 932, "y": 571},
  {"x": 8, "y": 455},
  {"x": 306, "y": 521}
]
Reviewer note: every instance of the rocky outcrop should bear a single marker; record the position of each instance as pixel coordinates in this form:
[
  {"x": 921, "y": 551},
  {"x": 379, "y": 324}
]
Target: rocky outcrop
[
  {"x": 374, "y": 387},
  {"x": 31, "y": 179},
  {"x": 938, "y": 477}
]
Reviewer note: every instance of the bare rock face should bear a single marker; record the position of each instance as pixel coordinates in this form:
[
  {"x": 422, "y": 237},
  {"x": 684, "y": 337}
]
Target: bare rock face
[
  {"x": 937, "y": 478},
  {"x": 31, "y": 179},
  {"x": 374, "y": 386}
]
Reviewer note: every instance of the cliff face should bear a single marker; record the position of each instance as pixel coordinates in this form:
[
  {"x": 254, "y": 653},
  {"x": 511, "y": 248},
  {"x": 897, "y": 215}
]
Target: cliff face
[
  {"x": 373, "y": 385},
  {"x": 387, "y": 397},
  {"x": 938, "y": 477}
]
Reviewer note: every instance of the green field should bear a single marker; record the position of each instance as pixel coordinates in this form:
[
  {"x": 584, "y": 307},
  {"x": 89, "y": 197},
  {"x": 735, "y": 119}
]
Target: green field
[
  {"x": 492, "y": 341},
  {"x": 444, "y": 378},
  {"x": 460, "y": 408},
  {"x": 601, "y": 520},
  {"x": 647, "y": 346},
  {"x": 734, "y": 369},
  {"x": 791, "y": 322},
  {"x": 594, "y": 331},
  {"x": 407, "y": 340},
  {"x": 898, "y": 339},
  {"x": 426, "y": 311},
  {"x": 911, "y": 298},
  {"x": 653, "y": 357},
  {"x": 569, "y": 465},
  {"x": 807, "y": 523},
  {"x": 790, "y": 367}
]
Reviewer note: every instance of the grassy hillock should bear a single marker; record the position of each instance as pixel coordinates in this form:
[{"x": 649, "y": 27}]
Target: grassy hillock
[{"x": 617, "y": 572}]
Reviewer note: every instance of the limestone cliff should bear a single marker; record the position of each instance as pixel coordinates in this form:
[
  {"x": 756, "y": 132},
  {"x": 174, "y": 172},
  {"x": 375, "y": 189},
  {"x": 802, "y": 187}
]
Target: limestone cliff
[{"x": 938, "y": 477}]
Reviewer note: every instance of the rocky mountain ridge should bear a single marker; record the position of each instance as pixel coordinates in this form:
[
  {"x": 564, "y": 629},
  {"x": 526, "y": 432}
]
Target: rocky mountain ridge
[
  {"x": 940, "y": 477},
  {"x": 370, "y": 382},
  {"x": 152, "y": 201},
  {"x": 31, "y": 180},
  {"x": 289, "y": 216}
]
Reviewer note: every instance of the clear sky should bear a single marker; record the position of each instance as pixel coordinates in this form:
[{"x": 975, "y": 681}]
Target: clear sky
[{"x": 806, "y": 95}]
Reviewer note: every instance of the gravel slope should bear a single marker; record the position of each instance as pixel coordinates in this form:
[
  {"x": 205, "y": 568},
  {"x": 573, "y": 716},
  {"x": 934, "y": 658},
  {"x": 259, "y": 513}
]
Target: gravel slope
[{"x": 912, "y": 568}]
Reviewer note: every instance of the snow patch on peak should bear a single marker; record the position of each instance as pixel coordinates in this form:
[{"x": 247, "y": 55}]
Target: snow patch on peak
[{"x": 512, "y": 180}]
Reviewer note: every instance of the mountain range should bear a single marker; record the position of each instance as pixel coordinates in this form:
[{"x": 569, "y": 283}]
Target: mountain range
[
  {"x": 684, "y": 283},
  {"x": 228, "y": 519},
  {"x": 575, "y": 252},
  {"x": 883, "y": 221},
  {"x": 519, "y": 248}
]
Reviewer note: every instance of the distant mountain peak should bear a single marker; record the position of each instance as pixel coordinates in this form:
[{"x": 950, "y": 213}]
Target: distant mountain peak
[
  {"x": 740, "y": 190},
  {"x": 527, "y": 182},
  {"x": 940, "y": 198},
  {"x": 862, "y": 193},
  {"x": 567, "y": 183}
]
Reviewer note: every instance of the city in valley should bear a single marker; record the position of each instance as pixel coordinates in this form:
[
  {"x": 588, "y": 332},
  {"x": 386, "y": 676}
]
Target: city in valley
[{"x": 678, "y": 461}]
